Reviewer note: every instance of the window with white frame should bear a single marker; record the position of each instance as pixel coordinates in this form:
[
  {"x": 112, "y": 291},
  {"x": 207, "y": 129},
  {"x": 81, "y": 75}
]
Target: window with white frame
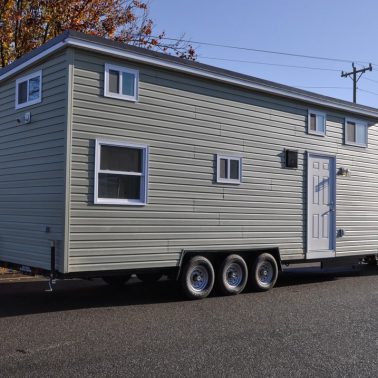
[
  {"x": 121, "y": 173},
  {"x": 316, "y": 122},
  {"x": 229, "y": 169},
  {"x": 29, "y": 90},
  {"x": 356, "y": 132},
  {"x": 121, "y": 82}
]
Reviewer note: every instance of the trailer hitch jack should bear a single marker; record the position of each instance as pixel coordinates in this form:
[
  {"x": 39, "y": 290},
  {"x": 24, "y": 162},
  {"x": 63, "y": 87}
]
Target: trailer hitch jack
[{"x": 52, "y": 280}]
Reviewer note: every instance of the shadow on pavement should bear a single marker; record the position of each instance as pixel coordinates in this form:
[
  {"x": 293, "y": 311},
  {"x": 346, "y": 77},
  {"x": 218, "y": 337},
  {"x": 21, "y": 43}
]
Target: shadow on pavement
[
  {"x": 25, "y": 298},
  {"x": 301, "y": 276}
]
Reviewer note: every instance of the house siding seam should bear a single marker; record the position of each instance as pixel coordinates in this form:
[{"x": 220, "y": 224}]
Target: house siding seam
[
  {"x": 186, "y": 122},
  {"x": 32, "y": 159}
]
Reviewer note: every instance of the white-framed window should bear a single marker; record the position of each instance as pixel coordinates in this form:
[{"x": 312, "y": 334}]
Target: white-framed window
[
  {"x": 316, "y": 122},
  {"x": 121, "y": 173},
  {"x": 229, "y": 169},
  {"x": 29, "y": 90},
  {"x": 356, "y": 132},
  {"x": 121, "y": 82}
]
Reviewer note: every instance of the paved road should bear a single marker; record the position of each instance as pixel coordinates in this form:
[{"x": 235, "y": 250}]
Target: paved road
[{"x": 314, "y": 324}]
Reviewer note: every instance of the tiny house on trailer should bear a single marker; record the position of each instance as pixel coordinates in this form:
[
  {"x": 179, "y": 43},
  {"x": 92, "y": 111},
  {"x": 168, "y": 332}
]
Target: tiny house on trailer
[{"x": 117, "y": 160}]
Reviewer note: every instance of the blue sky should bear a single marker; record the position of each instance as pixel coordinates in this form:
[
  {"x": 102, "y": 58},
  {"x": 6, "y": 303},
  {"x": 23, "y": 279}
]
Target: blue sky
[{"x": 341, "y": 29}]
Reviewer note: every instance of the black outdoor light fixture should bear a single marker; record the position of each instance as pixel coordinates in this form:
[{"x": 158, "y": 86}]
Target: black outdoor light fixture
[
  {"x": 291, "y": 158},
  {"x": 344, "y": 172}
]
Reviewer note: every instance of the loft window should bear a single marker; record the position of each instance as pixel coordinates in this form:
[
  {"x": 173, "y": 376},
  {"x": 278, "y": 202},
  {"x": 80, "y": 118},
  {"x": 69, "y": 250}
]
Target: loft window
[
  {"x": 28, "y": 90},
  {"x": 229, "y": 169},
  {"x": 121, "y": 82},
  {"x": 316, "y": 122},
  {"x": 356, "y": 133},
  {"x": 121, "y": 173}
]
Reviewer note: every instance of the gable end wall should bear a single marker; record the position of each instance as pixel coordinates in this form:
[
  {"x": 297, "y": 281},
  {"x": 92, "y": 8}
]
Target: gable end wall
[{"x": 32, "y": 169}]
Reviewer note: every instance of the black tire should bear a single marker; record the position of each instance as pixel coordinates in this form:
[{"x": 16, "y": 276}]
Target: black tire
[
  {"x": 197, "y": 278},
  {"x": 149, "y": 277},
  {"x": 264, "y": 272},
  {"x": 232, "y": 275},
  {"x": 116, "y": 281}
]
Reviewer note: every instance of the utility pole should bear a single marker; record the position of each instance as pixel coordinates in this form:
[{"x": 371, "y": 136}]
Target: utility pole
[{"x": 355, "y": 78}]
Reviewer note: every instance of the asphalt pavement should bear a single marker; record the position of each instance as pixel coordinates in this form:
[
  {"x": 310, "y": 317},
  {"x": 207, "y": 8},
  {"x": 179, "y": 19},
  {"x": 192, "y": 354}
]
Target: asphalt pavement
[{"x": 313, "y": 324}]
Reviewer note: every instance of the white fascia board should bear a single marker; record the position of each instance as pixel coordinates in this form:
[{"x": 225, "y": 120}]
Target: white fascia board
[{"x": 32, "y": 60}]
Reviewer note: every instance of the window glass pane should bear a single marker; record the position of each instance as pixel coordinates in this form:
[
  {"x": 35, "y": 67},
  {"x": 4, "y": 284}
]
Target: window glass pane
[
  {"x": 313, "y": 122},
  {"x": 128, "y": 81},
  {"x": 351, "y": 132},
  {"x": 223, "y": 168},
  {"x": 34, "y": 88},
  {"x": 118, "y": 186},
  {"x": 22, "y": 92},
  {"x": 361, "y": 134},
  {"x": 234, "y": 169},
  {"x": 321, "y": 124},
  {"x": 113, "y": 81},
  {"x": 121, "y": 159}
]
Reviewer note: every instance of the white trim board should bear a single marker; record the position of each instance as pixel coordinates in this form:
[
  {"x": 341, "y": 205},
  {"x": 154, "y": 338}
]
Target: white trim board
[
  {"x": 144, "y": 175},
  {"x": 32, "y": 60}
]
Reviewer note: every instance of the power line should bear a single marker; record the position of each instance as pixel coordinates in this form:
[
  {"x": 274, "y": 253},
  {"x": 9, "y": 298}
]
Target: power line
[
  {"x": 366, "y": 78},
  {"x": 270, "y": 64},
  {"x": 364, "y": 90},
  {"x": 322, "y": 87},
  {"x": 324, "y": 58},
  {"x": 264, "y": 51}
]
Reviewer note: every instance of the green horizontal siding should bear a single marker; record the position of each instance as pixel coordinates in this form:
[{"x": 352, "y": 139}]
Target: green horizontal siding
[
  {"x": 32, "y": 164},
  {"x": 185, "y": 121}
]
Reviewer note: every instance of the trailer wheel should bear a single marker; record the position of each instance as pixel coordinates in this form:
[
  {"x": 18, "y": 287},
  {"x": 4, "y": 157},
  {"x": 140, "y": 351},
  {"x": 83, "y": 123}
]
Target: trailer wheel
[
  {"x": 197, "y": 278},
  {"x": 149, "y": 277},
  {"x": 232, "y": 275},
  {"x": 264, "y": 272},
  {"x": 116, "y": 281}
]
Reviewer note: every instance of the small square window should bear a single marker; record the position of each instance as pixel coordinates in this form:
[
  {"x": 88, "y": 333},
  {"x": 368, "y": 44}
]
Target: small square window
[
  {"x": 356, "y": 133},
  {"x": 229, "y": 169},
  {"x": 28, "y": 90},
  {"x": 121, "y": 82},
  {"x": 316, "y": 122},
  {"x": 121, "y": 173}
]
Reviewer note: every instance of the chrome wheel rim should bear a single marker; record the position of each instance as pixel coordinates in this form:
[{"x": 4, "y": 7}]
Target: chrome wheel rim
[
  {"x": 266, "y": 273},
  {"x": 199, "y": 278},
  {"x": 234, "y": 275}
]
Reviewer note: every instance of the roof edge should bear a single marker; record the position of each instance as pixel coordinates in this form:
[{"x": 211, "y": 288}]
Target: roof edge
[{"x": 117, "y": 49}]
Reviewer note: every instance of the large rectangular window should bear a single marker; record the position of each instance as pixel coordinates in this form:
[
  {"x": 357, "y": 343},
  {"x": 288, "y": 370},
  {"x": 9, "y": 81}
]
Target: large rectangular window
[
  {"x": 121, "y": 82},
  {"x": 356, "y": 132},
  {"x": 316, "y": 122},
  {"x": 121, "y": 173},
  {"x": 229, "y": 169},
  {"x": 29, "y": 90}
]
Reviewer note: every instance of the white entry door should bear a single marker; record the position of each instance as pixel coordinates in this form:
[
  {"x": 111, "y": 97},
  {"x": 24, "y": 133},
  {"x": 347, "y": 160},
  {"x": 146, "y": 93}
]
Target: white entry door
[{"x": 321, "y": 197}]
